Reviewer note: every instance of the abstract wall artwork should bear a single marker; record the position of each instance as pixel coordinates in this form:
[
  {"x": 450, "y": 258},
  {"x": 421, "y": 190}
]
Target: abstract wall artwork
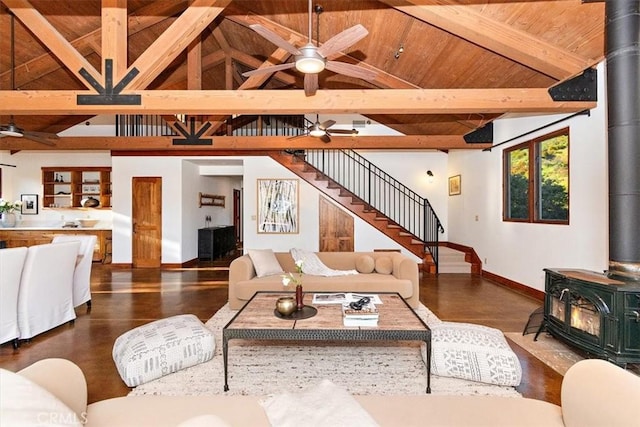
[{"x": 278, "y": 206}]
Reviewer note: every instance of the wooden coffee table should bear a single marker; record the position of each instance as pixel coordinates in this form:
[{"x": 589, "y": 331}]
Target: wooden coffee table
[{"x": 257, "y": 321}]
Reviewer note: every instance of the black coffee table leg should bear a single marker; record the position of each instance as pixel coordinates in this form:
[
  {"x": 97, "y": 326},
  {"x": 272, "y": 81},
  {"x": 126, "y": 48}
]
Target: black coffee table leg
[
  {"x": 225, "y": 352},
  {"x": 428, "y": 351}
]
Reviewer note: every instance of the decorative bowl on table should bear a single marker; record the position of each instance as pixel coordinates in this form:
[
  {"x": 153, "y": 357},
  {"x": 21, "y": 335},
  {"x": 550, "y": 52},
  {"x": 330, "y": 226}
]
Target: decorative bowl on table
[{"x": 87, "y": 222}]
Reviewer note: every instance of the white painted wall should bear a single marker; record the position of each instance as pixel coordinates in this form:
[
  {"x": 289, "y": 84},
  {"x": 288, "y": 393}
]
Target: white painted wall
[
  {"x": 26, "y": 178},
  {"x": 520, "y": 251}
]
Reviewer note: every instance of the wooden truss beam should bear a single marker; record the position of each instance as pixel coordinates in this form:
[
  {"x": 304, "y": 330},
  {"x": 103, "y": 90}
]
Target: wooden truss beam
[
  {"x": 361, "y": 101},
  {"x": 239, "y": 143}
]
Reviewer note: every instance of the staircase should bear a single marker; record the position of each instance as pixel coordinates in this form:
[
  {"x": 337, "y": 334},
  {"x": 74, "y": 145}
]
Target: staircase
[
  {"x": 415, "y": 222},
  {"x": 452, "y": 261}
]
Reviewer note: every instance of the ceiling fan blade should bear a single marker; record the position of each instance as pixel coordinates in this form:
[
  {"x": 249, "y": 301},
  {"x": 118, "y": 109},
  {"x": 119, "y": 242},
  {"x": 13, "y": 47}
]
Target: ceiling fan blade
[
  {"x": 270, "y": 69},
  {"x": 325, "y": 138},
  {"x": 343, "y": 40},
  {"x": 343, "y": 131},
  {"x": 37, "y": 137},
  {"x": 310, "y": 84},
  {"x": 351, "y": 70},
  {"x": 327, "y": 124},
  {"x": 275, "y": 39}
]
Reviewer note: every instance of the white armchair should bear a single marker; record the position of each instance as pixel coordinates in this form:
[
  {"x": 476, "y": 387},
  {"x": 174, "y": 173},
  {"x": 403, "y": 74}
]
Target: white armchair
[
  {"x": 82, "y": 273},
  {"x": 45, "y": 299},
  {"x": 11, "y": 264}
]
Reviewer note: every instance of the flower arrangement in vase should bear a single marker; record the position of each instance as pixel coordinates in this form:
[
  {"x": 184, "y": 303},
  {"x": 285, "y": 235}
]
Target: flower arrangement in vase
[
  {"x": 7, "y": 215},
  {"x": 297, "y": 280}
]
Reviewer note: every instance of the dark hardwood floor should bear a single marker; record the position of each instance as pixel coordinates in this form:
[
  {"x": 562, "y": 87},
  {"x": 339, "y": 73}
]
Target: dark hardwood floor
[{"x": 125, "y": 298}]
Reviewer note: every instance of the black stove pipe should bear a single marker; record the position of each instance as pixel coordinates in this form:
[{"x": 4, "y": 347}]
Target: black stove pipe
[{"x": 622, "y": 33}]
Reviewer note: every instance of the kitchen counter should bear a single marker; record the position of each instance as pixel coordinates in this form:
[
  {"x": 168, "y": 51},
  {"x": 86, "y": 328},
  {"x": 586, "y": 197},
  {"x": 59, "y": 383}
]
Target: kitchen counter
[
  {"x": 38, "y": 235},
  {"x": 59, "y": 227}
]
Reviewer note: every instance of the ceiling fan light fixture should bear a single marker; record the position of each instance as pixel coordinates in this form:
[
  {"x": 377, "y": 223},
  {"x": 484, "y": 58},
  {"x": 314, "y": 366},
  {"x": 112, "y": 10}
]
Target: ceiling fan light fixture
[
  {"x": 310, "y": 62},
  {"x": 316, "y": 131}
]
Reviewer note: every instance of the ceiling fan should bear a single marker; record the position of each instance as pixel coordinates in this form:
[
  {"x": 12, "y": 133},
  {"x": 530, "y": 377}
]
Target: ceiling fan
[
  {"x": 311, "y": 59},
  {"x": 321, "y": 130},
  {"x": 10, "y": 129}
]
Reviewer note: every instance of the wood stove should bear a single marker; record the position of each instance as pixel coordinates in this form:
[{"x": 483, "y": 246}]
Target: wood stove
[{"x": 594, "y": 313}]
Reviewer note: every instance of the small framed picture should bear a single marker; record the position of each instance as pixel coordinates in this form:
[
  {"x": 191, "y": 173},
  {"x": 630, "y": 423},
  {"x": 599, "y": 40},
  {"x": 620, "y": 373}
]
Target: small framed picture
[
  {"x": 29, "y": 204},
  {"x": 455, "y": 186}
]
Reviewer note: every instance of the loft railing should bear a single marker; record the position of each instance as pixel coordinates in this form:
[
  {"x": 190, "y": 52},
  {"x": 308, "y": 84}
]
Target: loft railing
[
  {"x": 142, "y": 125},
  {"x": 246, "y": 125},
  {"x": 382, "y": 192}
]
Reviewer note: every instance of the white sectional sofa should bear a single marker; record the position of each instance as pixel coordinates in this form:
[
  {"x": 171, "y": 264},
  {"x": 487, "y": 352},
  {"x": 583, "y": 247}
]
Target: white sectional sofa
[{"x": 594, "y": 393}]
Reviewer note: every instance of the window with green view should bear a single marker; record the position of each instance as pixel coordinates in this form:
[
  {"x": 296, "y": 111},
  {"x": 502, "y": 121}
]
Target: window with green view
[{"x": 536, "y": 180}]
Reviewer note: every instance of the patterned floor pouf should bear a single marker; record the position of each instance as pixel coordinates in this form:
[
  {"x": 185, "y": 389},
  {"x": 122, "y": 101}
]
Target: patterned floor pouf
[
  {"x": 162, "y": 347},
  {"x": 473, "y": 352}
]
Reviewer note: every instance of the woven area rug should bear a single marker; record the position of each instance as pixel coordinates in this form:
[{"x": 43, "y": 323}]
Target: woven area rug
[
  {"x": 553, "y": 352},
  {"x": 263, "y": 368}
]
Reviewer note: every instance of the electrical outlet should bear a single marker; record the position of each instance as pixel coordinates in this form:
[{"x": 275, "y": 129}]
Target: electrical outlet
[
  {"x": 476, "y": 218},
  {"x": 485, "y": 260}
]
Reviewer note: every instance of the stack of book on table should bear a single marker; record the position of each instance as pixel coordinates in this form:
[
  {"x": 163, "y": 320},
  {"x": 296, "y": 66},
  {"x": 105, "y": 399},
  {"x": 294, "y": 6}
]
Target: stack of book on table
[{"x": 367, "y": 316}]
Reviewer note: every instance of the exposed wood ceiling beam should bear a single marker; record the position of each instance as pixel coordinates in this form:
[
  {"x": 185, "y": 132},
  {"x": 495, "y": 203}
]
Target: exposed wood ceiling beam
[
  {"x": 114, "y": 35},
  {"x": 162, "y": 143},
  {"x": 175, "y": 40},
  {"x": 52, "y": 38},
  {"x": 178, "y": 77},
  {"x": 139, "y": 20},
  {"x": 498, "y": 37},
  {"x": 361, "y": 101}
]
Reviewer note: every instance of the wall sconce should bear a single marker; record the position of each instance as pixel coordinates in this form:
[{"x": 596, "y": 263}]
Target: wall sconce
[{"x": 429, "y": 176}]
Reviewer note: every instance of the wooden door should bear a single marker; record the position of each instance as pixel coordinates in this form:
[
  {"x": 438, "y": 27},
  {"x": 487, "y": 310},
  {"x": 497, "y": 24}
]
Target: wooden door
[
  {"x": 336, "y": 228},
  {"x": 146, "y": 206}
]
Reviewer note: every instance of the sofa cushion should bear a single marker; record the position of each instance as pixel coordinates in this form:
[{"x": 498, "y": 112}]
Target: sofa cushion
[
  {"x": 365, "y": 264},
  {"x": 384, "y": 265},
  {"x": 473, "y": 352},
  {"x": 162, "y": 347},
  {"x": 265, "y": 262},
  {"x": 25, "y": 403}
]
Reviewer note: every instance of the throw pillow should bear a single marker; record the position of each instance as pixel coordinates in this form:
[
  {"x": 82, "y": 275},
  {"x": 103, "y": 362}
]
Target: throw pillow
[
  {"x": 384, "y": 265},
  {"x": 473, "y": 352},
  {"x": 365, "y": 264},
  {"x": 265, "y": 262},
  {"x": 325, "y": 404},
  {"x": 25, "y": 403}
]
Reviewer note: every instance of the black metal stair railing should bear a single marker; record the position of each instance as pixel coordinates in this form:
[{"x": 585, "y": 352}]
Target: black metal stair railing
[{"x": 382, "y": 192}]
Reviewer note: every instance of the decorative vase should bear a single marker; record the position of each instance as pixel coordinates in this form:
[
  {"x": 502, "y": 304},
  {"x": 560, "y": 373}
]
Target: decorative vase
[
  {"x": 8, "y": 219},
  {"x": 299, "y": 297},
  {"x": 286, "y": 305},
  {"x": 89, "y": 202}
]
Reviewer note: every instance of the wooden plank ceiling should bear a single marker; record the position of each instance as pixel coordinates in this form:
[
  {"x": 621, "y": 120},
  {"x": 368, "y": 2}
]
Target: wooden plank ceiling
[{"x": 443, "y": 67}]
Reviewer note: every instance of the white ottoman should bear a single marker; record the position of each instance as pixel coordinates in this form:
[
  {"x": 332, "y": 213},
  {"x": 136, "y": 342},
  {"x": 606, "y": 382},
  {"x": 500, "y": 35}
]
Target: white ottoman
[
  {"x": 473, "y": 352},
  {"x": 162, "y": 347}
]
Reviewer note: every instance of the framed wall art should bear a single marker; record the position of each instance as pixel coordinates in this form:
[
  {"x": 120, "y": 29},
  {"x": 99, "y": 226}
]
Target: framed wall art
[
  {"x": 455, "y": 185},
  {"x": 29, "y": 204},
  {"x": 278, "y": 206}
]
